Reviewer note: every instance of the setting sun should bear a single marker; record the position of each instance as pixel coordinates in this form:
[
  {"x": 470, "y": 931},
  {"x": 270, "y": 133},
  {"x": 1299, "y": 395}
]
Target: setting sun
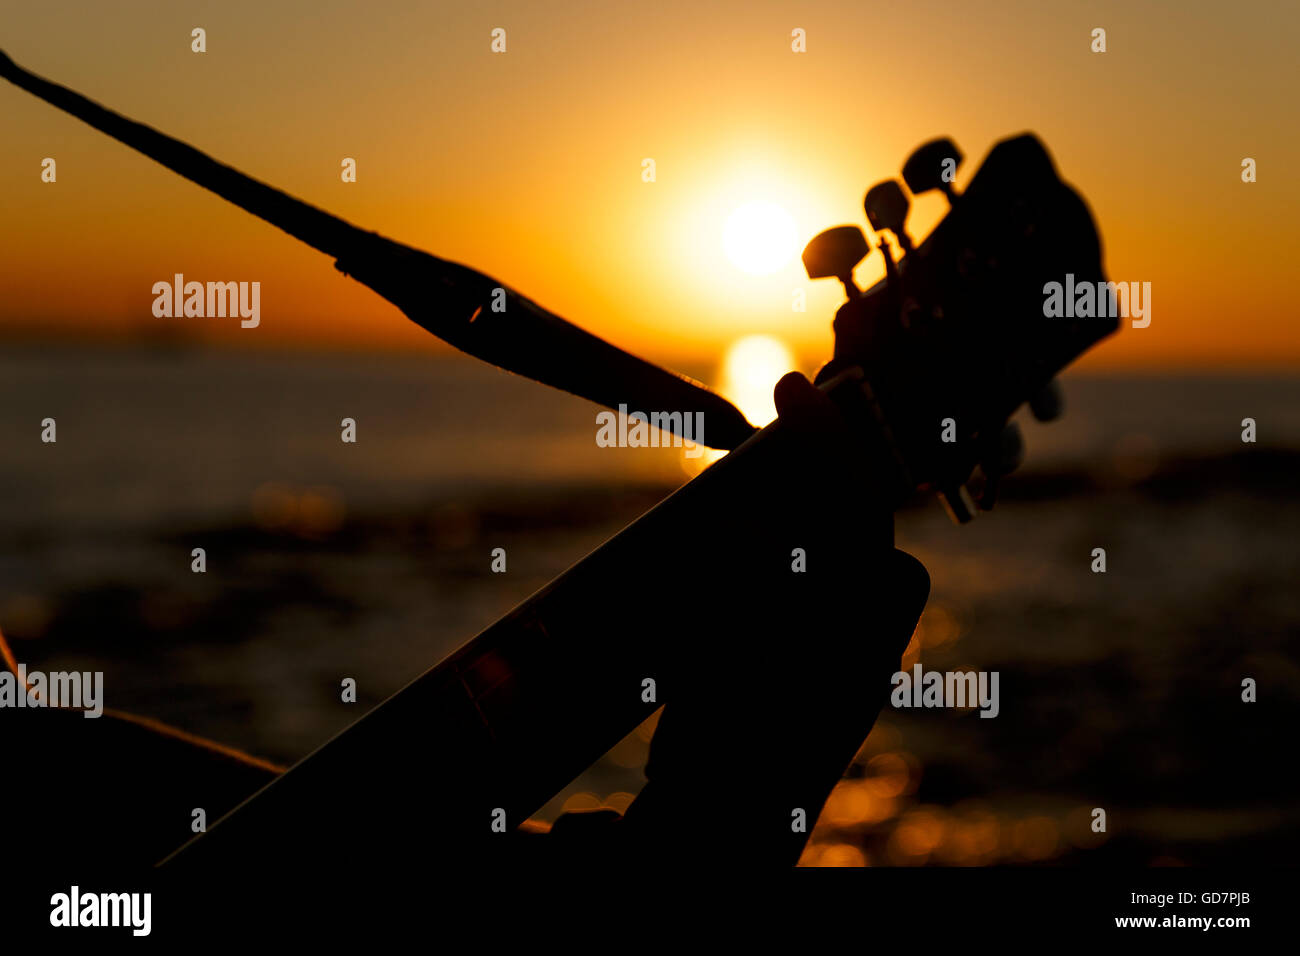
[
  {"x": 759, "y": 237},
  {"x": 750, "y": 370}
]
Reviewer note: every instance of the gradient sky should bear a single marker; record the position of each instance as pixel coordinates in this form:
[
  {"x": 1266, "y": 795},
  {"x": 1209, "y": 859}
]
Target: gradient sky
[{"x": 527, "y": 165}]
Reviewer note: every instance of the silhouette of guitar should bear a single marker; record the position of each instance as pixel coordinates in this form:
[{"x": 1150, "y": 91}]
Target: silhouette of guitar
[{"x": 929, "y": 365}]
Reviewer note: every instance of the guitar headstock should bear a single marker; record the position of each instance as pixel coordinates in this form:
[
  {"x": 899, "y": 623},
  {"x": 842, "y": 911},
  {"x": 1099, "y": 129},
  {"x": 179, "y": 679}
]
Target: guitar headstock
[{"x": 955, "y": 337}]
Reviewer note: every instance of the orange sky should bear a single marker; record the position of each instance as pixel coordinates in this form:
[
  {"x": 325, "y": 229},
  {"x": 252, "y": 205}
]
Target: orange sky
[{"x": 527, "y": 164}]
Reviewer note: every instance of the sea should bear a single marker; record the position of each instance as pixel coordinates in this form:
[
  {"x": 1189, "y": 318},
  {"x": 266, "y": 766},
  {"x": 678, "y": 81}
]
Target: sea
[{"x": 1121, "y": 689}]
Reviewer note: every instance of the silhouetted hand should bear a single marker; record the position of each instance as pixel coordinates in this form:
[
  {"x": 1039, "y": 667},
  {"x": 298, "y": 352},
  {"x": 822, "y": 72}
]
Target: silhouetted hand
[{"x": 784, "y": 672}]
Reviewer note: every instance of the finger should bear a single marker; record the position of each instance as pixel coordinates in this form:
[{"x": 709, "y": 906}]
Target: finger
[{"x": 805, "y": 405}]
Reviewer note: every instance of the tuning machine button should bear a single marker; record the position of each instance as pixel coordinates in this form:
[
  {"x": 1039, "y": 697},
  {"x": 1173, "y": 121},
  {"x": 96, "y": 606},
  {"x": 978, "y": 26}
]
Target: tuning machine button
[
  {"x": 1005, "y": 456},
  {"x": 1009, "y": 451},
  {"x": 932, "y": 166},
  {"x": 1048, "y": 404},
  {"x": 836, "y": 252},
  {"x": 886, "y": 206}
]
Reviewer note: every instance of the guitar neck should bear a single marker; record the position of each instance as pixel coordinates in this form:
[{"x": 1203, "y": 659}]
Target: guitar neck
[{"x": 517, "y": 713}]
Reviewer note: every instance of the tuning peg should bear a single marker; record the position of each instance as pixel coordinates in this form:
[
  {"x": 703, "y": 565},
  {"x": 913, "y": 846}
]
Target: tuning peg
[
  {"x": 1010, "y": 452},
  {"x": 836, "y": 252},
  {"x": 1048, "y": 404},
  {"x": 886, "y": 208},
  {"x": 932, "y": 166},
  {"x": 1005, "y": 456}
]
